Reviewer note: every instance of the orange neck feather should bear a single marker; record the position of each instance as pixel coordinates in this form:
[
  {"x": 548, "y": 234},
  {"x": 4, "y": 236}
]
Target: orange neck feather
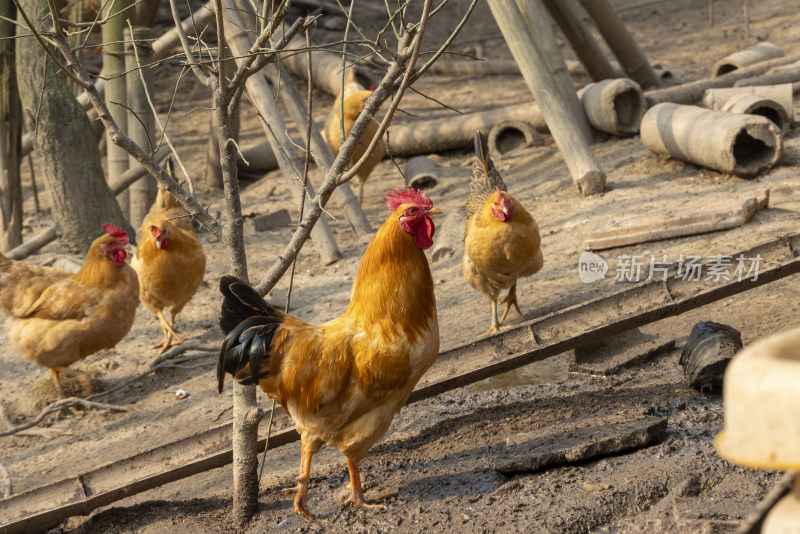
[{"x": 393, "y": 291}]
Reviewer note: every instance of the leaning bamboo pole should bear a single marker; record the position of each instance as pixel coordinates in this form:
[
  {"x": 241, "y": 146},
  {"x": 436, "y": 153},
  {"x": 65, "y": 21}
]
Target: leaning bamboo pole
[
  {"x": 514, "y": 347},
  {"x": 260, "y": 93},
  {"x": 621, "y": 43},
  {"x": 583, "y": 166},
  {"x": 580, "y": 40},
  {"x": 141, "y": 121},
  {"x": 291, "y": 98}
]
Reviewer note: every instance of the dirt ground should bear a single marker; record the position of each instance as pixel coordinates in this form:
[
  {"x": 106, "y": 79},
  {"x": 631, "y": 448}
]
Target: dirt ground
[{"x": 439, "y": 456}]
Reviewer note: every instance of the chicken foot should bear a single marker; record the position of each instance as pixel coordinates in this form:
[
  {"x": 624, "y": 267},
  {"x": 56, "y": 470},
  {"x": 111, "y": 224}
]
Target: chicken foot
[
  {"x": 171, "y": 337},
  {"x": 357, "y": 496},
  {"x": 300, "y": 492},
  {"x": 495, "y": 323}
]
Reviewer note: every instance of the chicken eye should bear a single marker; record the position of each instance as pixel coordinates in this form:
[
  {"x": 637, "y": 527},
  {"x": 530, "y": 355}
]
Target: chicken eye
[{"x": 412, "y": 211}]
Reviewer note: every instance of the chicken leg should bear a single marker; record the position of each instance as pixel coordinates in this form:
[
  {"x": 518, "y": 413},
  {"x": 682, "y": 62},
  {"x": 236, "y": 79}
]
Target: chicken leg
[
  {"x": 170, "y": 336},
  {"x": 495, "y": 323},
  {"x": 307, "y": 450},
  {"x": 511, "y": 299},
  {"x": 357, "y": 495},
  {"x": 57, "y": 382}
]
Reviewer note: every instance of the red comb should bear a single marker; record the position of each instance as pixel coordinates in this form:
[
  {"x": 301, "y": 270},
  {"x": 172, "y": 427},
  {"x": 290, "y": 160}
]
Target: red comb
[
  {"x": 115, "y": 231},
  {"x": 372, "y": 88},
  {"x": 414, "y": 197}
]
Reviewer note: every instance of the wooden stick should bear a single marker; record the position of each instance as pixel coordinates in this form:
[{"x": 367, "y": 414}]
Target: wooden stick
[
  {"x": 58, "y": 406},
  {"x": 690, "y": 92},
  {"x": 580, "y": 40},
  {"x": 584, "y": 168},
  {"x": 326, "y": 68},
  {"x": 621, "y": 42},
  {"x": 293, "y": 101},
  {"x": 161, "y": 48},
  {"x": 261, "y": 95}
]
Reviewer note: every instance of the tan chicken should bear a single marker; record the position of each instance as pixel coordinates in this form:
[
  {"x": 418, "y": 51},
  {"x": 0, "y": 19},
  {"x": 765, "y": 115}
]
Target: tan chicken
[
  {"x": 501, "y": 240},
  {"x": 332, "y": 131},
  {"x": 57, "y": 318},
  {"x": 170, "y": 263}
]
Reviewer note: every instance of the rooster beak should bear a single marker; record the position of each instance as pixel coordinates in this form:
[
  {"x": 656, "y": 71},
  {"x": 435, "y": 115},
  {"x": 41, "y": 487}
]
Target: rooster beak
[
  {"x": 505, "y": 210},
  {"x": 435, "y": 211}
]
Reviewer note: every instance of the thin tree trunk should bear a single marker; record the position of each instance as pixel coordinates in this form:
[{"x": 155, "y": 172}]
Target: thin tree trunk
[
  {"x": 116, "y": 91},
  {"x": 142, "y": 131},
  {"x": 70, "y": 160},
  {"x": 10, "y": 135}
]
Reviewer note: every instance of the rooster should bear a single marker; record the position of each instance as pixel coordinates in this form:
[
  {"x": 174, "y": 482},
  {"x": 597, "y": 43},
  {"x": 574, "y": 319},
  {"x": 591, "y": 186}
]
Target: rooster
[
  {"x": 332, "y": 131},
  {"x": 57, "y": 318},
  {"x": 170, "y": 263},
  {"x": 501, "y": 239},
  {"x": 342, "y": 382}
]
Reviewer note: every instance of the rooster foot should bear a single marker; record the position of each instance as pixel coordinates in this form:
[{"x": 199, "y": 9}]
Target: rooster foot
[
  {"x": 492, "y": 330},
  {"x": 368, "y": 503},
  {"x": 300, "y": 504},
  {"x": 510, "y": 300},
  {"x": 167, "y": 344}
]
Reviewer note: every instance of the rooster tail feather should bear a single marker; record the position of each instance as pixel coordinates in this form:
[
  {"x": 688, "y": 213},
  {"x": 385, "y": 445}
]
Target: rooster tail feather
[
  {"x": 249, "y": 324},
  {"x": 482, "y": 153}
]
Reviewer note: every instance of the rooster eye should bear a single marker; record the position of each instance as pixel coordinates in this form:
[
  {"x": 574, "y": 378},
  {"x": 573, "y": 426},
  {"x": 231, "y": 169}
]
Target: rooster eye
[{"x": 412, "y": 211}]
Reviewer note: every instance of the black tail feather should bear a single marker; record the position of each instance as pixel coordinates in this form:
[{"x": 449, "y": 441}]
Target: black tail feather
[{"x": 249, "y": 324}]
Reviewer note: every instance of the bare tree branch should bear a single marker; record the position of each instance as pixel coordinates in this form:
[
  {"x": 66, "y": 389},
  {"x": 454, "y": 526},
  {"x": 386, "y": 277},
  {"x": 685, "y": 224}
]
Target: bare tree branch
[{"x": 57, "y": 407}]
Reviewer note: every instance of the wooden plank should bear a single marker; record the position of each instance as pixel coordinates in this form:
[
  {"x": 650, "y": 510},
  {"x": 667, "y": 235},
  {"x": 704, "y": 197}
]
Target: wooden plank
[{"x": 466, "y": 364}]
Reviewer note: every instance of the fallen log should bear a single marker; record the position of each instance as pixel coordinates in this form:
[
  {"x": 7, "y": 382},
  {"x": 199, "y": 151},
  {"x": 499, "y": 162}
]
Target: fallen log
[
  {"x": 525, "y": 343},
  {"x": 690, "y": 92},
  {"x": 510, "y": 135},
  {"x": 790, "y": 75},
  {"x": 781, "y": 94},
  {"x": 744, "y": 145},
  {"x": 421, "y": 172}
]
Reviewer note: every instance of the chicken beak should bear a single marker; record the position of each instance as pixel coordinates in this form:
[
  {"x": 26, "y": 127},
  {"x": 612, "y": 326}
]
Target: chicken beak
[
  {"x": 505, "y": 210},
  {"x": 435, "y": 211}
]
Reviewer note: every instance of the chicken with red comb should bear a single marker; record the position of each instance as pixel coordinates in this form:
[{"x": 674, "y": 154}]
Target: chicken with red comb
[
  {"x": 343, "y": 381},
  {"x": 56, "y": 318}
]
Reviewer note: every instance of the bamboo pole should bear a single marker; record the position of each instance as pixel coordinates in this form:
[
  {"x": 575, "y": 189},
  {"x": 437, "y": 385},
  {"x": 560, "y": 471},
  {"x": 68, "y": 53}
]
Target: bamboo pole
[
  {"x": 621, "y": 42},
  {"x": 290, "y": 162},
  {"x": 584, "y": 168},
  {"x": 580, "y": 40},
  {"x": 688, "y": 93},
  {"x": 141, "y": 122},
  {"x": 538, "y": 26},
  {"x": 116, "y": 92},
  {"x": 291, "y": 98}
]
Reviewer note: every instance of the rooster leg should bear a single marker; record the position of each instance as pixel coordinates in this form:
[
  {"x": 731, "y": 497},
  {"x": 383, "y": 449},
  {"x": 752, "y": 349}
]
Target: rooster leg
[
  {"x": 357, "y": 496},
  {"x": 510, "y": 299},
  {"x": 495, "y": 324},
  {"x": 307, "y": 450}
]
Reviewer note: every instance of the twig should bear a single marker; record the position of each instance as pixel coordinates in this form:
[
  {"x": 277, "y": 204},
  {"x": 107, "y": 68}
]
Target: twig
[
  {"x": 60, "y": 405},
  {"x": 180, "y": 349}
]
